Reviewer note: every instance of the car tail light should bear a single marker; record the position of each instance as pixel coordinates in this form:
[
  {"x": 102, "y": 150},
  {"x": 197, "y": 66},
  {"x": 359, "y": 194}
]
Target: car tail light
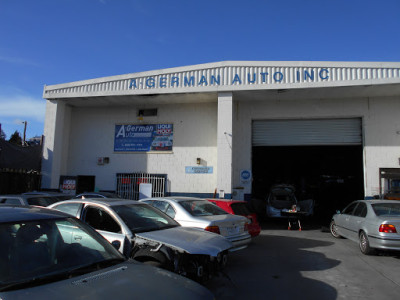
[
  {"x": 387, "y": 228},
  {"x": 250, "y": 218},
  {"x": 214, "y": 229}
]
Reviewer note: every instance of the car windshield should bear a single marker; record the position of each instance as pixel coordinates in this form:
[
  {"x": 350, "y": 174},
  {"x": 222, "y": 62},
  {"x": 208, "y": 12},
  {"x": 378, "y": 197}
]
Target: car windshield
[
  {"x": 42, "y": 251},
  {"x": 387, "y": 209},
  {"x": 199, "y": 208},
  {"x": 143, "y": 218},
  {"x": 282, "y": 197}
]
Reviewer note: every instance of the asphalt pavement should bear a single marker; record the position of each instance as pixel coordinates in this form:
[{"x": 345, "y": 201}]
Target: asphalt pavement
[{"x": 307, "y": 264}]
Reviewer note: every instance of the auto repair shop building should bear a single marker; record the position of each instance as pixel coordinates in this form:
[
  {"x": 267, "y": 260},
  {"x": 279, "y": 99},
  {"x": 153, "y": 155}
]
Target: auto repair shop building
[{"x": 332, "y": 129}]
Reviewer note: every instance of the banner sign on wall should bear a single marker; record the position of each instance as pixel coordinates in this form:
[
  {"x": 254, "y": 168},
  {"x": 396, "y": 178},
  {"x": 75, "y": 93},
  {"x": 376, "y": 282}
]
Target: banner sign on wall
[
  {"x": 143, "y": 138},
  {"x": 199, "y": 170}
]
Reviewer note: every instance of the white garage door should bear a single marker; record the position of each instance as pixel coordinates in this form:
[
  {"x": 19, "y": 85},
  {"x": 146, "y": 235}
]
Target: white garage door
[{"x": 314, "y": 132}]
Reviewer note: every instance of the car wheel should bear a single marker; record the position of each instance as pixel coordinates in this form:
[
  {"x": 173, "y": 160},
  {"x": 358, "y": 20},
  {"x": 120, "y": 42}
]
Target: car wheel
[
  {"x": 152, "y": 258},
  {"x": 364, "y": 244},
  {"x": 333, "y": 229}
]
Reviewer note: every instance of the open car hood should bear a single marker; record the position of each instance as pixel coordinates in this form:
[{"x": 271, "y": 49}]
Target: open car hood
[{"x": 190, "y": 240}]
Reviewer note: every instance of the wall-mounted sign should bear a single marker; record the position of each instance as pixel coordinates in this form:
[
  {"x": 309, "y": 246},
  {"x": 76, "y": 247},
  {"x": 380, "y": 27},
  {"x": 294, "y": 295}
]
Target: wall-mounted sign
[
  {"x": 199, "y": 170},
  {"x": 312, "y": 74},
  {"x": 143, "y": 138},
  {"x": 68, "y": 184},
  {"x": 245, "y": 176}
]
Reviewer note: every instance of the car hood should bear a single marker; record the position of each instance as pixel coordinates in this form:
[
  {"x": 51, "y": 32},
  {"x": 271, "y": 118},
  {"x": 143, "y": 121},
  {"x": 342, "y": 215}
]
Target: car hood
[
  {"x": 123, "y": 281},
  {"x": 187, "y": 239}
]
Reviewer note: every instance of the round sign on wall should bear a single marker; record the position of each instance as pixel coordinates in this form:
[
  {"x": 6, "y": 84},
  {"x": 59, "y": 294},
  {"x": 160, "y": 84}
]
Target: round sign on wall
[{"x": 245, "y": 176}]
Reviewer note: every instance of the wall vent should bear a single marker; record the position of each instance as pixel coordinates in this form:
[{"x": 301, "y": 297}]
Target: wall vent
[{"x": 152, "y": 112}]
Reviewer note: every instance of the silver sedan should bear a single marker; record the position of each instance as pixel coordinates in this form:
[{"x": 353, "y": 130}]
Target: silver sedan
[
  {"x": 200, "y": 213},
  {"x": 374, "y": 224}
]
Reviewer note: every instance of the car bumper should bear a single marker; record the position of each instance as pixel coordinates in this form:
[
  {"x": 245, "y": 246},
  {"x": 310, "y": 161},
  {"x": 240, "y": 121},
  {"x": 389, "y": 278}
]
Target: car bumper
[
  {"x": 239, "y": 242},
  {"x": 384, "y": 243}
]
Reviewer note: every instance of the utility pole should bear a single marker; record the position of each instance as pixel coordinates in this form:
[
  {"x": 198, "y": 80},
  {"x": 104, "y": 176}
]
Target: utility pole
[{"x": 23, "y": 141}]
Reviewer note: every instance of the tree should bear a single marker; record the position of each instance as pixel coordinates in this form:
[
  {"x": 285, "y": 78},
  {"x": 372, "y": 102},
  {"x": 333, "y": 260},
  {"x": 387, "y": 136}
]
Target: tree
[
  {"x": 2, "y": 135},
  {"x": 15, "y": 138}
]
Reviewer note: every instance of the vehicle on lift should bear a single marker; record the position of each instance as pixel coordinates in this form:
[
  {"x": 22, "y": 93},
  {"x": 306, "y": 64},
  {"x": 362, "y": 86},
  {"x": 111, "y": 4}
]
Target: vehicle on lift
[
  {"x": 46, "y": 254},
  {"x": 150, "y": 236},
  {"x": 374, "y": 224},
  {"x": 282, "y": 201}
]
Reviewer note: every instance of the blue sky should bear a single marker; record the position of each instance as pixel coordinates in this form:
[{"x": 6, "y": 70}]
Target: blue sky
[{"x": 57, "y": 41}]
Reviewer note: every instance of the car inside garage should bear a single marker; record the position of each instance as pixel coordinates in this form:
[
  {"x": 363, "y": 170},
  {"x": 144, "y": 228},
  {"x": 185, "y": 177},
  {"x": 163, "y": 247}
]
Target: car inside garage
[{"x": 321, "y": 158}]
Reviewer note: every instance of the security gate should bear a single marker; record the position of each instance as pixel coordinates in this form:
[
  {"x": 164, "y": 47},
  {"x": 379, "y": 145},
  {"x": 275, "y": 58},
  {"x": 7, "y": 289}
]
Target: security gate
[
  {"x": 128, "y": 184},
  {"x": 307, "y": 132}
]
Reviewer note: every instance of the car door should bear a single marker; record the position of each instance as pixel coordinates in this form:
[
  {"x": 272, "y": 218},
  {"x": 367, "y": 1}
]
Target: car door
[
  {"x": 108, "y": 226},
  {"x": 357, "y": 219},
  {"x": 343, "y": 220}
]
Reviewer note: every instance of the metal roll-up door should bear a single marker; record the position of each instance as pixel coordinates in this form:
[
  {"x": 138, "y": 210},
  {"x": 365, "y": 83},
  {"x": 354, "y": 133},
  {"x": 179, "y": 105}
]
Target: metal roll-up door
[{"x": 314, "y": 132}]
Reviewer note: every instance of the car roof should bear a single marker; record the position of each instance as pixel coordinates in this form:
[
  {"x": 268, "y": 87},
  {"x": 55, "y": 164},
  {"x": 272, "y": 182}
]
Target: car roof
[
  {"x": 46, "y": 193},
  {"x": 376, "y": 201},
  {"x": 178, "y": 198},
  {"x": 97, "y": 193},
  {"x": 104, "y": 201},
  {"x": 16, "y": 213},
  {"x": 27, "y": 196}
]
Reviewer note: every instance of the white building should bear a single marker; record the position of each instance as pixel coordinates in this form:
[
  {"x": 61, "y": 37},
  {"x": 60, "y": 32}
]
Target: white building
[{"x": 230, "y": 127}]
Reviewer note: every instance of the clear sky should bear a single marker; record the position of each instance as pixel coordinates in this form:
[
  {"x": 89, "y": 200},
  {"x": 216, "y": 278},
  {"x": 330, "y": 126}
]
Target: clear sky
[{"x": 58, "y": 41}]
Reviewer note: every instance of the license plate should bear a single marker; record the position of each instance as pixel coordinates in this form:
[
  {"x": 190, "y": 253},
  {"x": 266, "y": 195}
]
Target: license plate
[{"x": 232, "y": 230}]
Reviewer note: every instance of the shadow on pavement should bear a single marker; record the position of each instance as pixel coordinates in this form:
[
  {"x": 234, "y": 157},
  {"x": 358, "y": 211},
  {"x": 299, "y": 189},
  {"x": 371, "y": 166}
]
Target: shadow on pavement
[{"x": 271, "y": 268}]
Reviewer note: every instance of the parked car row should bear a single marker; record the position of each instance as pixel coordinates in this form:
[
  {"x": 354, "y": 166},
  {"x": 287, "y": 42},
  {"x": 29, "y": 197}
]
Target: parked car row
[
  {"x": 146, "y": 234},
  {"x": 195, "y": 246}
]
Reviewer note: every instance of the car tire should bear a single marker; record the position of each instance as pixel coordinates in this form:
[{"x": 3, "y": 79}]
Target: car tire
[
  {"x": 364, "y": 244},
  {"x": 333, "y": 230}
]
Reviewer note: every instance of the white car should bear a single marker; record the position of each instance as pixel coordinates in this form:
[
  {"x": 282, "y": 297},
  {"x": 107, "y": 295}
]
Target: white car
[
  {"x": 144, "y": 233},
  {"x": 200, "y": 213}
]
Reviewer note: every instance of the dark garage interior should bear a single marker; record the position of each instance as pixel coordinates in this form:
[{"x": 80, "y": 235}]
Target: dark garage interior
[{"x": 331, "y": 175}]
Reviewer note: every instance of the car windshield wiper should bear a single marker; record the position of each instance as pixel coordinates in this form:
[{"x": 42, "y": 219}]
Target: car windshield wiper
[
  {"x": 52, "y": 277},
  {"x": 96, "y": 266}
]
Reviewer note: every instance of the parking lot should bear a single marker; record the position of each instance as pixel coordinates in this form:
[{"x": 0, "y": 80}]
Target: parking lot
[{"x": 307, "y": 264}]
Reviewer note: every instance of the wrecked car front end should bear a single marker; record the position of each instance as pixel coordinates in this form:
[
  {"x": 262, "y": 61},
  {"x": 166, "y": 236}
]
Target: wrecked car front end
[{"x": 190, "y": 252}]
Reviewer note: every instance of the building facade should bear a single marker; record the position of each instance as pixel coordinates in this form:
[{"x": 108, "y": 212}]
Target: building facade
[{"x": 230, "y": 129}]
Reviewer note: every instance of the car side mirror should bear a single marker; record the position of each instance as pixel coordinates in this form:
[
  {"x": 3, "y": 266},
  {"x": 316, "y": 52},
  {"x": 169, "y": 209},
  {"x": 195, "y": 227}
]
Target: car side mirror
[
  {"x": 116, "y": 244},
  {"x": 338, "y": 212}
]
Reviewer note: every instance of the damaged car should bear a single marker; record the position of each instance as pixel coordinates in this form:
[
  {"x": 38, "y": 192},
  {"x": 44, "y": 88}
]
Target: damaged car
[
  {"x": 145, "y": 234},
  {"x": 282, "y": 200}
]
